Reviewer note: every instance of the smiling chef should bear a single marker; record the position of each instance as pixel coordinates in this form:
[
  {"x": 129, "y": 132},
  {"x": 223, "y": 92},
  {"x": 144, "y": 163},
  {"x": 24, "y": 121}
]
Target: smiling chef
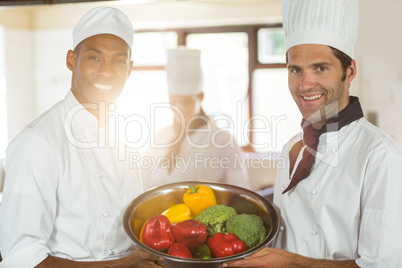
[
  {"x": 340, "y": 197},
  {"x": 65, "y": 189}
]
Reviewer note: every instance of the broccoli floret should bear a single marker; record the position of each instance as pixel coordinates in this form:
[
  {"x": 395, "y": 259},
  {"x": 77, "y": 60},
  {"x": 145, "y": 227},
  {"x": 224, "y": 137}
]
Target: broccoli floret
[
  {"x": 215, "y": 217},
  {"x": 247, "y": 227}
]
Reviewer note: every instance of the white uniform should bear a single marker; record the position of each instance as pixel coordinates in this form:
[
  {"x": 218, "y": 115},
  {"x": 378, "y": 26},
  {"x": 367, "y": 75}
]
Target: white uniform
[
  {"x": 350, "y": 205},
  {"x": 62, "y": 199},
  {"x": 205, "y": 155}
]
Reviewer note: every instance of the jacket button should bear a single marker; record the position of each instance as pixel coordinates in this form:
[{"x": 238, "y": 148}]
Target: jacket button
[{"x": 314, "y": 232}]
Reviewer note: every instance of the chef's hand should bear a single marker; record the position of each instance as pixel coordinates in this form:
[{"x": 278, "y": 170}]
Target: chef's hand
[
  {"x": 278, "y": 258},
  {"x": 138, "y": 258},
  {"x": 266, "y": 257},
  {"x": 142, "y": 259}
]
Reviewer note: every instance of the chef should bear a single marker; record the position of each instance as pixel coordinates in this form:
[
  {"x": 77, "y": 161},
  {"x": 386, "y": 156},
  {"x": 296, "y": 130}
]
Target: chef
[
  {"x": 193, "y": 148},
  {"x": 339, "y": 199},
  {"x": 66, "y": 188}
]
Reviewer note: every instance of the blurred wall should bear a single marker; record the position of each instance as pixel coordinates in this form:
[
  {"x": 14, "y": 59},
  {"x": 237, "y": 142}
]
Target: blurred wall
[
  {"x": 19, "y": 75},
  {"x": 379, "y": 64}
]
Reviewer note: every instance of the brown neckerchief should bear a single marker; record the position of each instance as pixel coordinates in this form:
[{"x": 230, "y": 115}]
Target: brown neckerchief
[
  {"x": 174, "y": 150},
  {"x": 311, "y": 137}
]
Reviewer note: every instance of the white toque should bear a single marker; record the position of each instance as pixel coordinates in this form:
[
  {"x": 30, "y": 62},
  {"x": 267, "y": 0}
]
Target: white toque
[
  {"x": 326, "y": 22},
  {"x": 104, "y": 20},
  {"x": 184, "y": 75}
]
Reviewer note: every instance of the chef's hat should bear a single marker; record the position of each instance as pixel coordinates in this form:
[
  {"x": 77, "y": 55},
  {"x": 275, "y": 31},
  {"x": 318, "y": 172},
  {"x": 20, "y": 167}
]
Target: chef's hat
[
  {"x": 326, "y": 22},
  {"x": 184, "y": 76},
  {"x": 104, "y": 20}
]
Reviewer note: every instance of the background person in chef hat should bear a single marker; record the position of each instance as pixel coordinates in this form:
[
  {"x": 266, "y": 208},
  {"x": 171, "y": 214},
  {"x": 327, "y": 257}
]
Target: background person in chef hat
[
  {"x": 340, "y": 199},
  {"x": 63, "y": 202},
  {"x": 193, "y": 148}
]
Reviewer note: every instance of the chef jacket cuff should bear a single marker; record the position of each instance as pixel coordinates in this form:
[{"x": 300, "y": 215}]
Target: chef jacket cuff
[{"x": 29, "y": 256}]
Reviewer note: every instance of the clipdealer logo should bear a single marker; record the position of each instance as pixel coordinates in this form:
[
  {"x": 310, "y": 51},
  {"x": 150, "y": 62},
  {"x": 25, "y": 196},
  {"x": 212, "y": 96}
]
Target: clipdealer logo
[
  {"x": 203, "y": 161},
  {"x": 115, "y": 134}
]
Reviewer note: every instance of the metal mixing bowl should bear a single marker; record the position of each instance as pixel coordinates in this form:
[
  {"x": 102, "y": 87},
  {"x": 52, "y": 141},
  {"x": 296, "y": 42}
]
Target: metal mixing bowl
[{"x": 157, "y": 200}]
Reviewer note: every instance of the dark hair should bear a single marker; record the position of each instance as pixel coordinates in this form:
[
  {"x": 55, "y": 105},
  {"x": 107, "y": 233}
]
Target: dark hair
[
  {"x": 77, "y": 48},
  {"x": 345, "y": 60}
]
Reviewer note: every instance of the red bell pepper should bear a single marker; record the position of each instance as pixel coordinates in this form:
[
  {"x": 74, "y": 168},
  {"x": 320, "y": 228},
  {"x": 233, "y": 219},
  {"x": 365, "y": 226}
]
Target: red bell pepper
[
  {"x": 157, "y": 233},
  {"x": 191, "y": 233},
  {"x": 179, "y": 250},
  {"x": 223, "y": 245}
]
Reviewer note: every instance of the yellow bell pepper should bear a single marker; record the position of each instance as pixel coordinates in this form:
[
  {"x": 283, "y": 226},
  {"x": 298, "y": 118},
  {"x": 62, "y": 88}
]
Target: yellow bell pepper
[
  {"x": 198, "y": 198},
  {"x": 142, "y": 230},
  {"x": 178, "y": 213}
]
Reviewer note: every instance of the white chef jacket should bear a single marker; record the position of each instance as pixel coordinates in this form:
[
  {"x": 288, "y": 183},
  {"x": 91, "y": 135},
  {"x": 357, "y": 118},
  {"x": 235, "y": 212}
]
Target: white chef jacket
[
  {"x": 61, "y": 198},
  {"x": 207, "y": 154},
  {"x": 350, "y": 206}
]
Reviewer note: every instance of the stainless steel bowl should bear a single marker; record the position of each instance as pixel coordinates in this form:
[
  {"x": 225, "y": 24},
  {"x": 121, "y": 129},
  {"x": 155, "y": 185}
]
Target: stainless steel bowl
[{"x": 157, "y": 200}]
